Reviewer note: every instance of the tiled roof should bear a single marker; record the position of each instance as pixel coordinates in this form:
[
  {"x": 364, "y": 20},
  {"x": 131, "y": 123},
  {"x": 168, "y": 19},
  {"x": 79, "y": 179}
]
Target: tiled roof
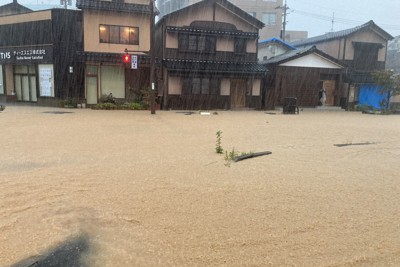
[
  {"x": 112, "y": 6},
  {"x": 340, "y": 34},
  {"x": 214, "y": 66},
  {"x": 14, "y": 8},
  {"x": 290, "y": 55},
  {"x": 218, "y": 32},
  {"x": 277, "y": 40}
]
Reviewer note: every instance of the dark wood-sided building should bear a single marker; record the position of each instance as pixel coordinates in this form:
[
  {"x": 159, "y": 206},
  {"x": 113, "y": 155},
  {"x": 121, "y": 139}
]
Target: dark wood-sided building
[
  {"x": 38, "y": 56},
  {"x": 302, "y": 74}
]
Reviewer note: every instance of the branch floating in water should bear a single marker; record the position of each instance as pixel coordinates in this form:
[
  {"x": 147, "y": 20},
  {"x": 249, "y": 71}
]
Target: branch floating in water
[{"x": 251, "y": 155}]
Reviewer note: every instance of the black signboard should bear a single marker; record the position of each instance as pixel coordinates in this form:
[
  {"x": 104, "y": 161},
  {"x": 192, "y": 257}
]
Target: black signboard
[{"x": 26, "y": 55}]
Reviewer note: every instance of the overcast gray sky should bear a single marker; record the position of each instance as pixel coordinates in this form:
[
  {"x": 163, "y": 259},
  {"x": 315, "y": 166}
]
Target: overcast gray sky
[{"x": 316, "y": 16}]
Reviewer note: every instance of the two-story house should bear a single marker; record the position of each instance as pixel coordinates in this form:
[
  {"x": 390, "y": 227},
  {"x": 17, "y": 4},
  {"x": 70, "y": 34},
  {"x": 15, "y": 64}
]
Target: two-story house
[
  {"x": 208, "y": 54},
  {"x": 363, "y": 49},
  {"x": 110, "y": 28}
]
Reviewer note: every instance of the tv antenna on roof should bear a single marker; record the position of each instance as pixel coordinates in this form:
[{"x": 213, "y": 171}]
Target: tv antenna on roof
[
  {"x": 66, "y": 3},
  {"x": 333, "y": 21}
]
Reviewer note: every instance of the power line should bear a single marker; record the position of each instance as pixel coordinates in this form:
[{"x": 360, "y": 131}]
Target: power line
[{"x": 340, "y": 20}]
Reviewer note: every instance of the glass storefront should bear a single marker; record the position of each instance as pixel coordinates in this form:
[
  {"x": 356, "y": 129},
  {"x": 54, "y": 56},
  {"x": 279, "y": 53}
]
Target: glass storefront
[
  {"x": 25, "y": 83},
  {"x": 2, "y": 90}
]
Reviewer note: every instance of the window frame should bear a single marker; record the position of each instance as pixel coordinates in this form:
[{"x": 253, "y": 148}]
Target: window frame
[
  {"x": 201, "y": 86},
  {"x": 114, "y": 35},
  {"x": 268, "y": 23},
  {"x": 195, "y": 43}
]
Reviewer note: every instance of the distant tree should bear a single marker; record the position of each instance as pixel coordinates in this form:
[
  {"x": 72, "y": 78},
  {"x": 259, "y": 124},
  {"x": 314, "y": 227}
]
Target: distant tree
[{"x": 390, "y": 83}]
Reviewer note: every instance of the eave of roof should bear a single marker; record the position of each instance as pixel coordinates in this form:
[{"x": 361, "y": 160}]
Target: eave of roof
[
  {"x": 214, "y": 66},
  {"x": 291, "y": 55},
  {"x": 113, "y": 6},
  {"x": 340, "y": 34},
  {"x": 14, "y": 6},
  {"x": 84, "y": 56}
]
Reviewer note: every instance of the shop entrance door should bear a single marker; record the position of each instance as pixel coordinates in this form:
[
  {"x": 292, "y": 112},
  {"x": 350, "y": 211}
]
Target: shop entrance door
[
  {"x": 25, "y": 87},
  {"x": 238, "y": 93},
  {"x": 92, "y": 86},
  {"x": 25, "y": 83}
]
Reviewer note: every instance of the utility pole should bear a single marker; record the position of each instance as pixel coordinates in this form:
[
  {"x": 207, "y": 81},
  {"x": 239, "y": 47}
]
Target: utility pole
[
  {"x": 333, "y": 21},
  {"x": 152, "y": 59},
  {"x": 285, "y": 8}
]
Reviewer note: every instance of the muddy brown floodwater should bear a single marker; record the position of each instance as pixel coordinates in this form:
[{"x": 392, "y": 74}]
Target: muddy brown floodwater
[{"x": 126, "y": 188}]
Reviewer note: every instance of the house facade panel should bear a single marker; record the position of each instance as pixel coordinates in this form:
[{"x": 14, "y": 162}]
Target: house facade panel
[
  {"x": 205, "y": 13},
  {"x": 366, "y": 37},
  {"x": 302, "y": 74},
  {"x": 333, "y": 48},
  {"x": 94, "y": 18},
  {"x": 222, "y": 14}
]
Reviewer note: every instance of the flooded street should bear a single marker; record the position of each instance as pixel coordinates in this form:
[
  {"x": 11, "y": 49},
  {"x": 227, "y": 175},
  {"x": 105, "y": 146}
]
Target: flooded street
[{"x": 149, "y": 190}]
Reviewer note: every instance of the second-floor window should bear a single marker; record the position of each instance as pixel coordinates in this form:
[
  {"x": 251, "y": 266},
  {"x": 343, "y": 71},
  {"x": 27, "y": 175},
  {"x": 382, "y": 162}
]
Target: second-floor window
[
  {"x": 115, "y": 34},
  {"x": 197, "y": 43},
  {"x": 240, "y": 46}
]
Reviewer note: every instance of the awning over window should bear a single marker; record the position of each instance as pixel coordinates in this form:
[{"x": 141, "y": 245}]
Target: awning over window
[{"x": 110, "y": 57}]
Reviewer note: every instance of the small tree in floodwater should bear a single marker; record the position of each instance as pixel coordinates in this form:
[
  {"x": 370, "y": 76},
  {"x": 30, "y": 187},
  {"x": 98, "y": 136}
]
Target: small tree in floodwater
[{"x": 390, "y": 83}]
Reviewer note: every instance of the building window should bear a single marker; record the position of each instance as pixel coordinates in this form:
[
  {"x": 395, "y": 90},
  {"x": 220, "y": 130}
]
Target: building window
[
  {"x": 201, "y": 86},
  {"x": 365, "y": 56},
  {"x": 119, "y": 34},
  {"x": 269, "y": 18},
  {"x": 46, "y": 80},
  {"x": 240, "y": 46},
  {"x": 197, "y": 43}
]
